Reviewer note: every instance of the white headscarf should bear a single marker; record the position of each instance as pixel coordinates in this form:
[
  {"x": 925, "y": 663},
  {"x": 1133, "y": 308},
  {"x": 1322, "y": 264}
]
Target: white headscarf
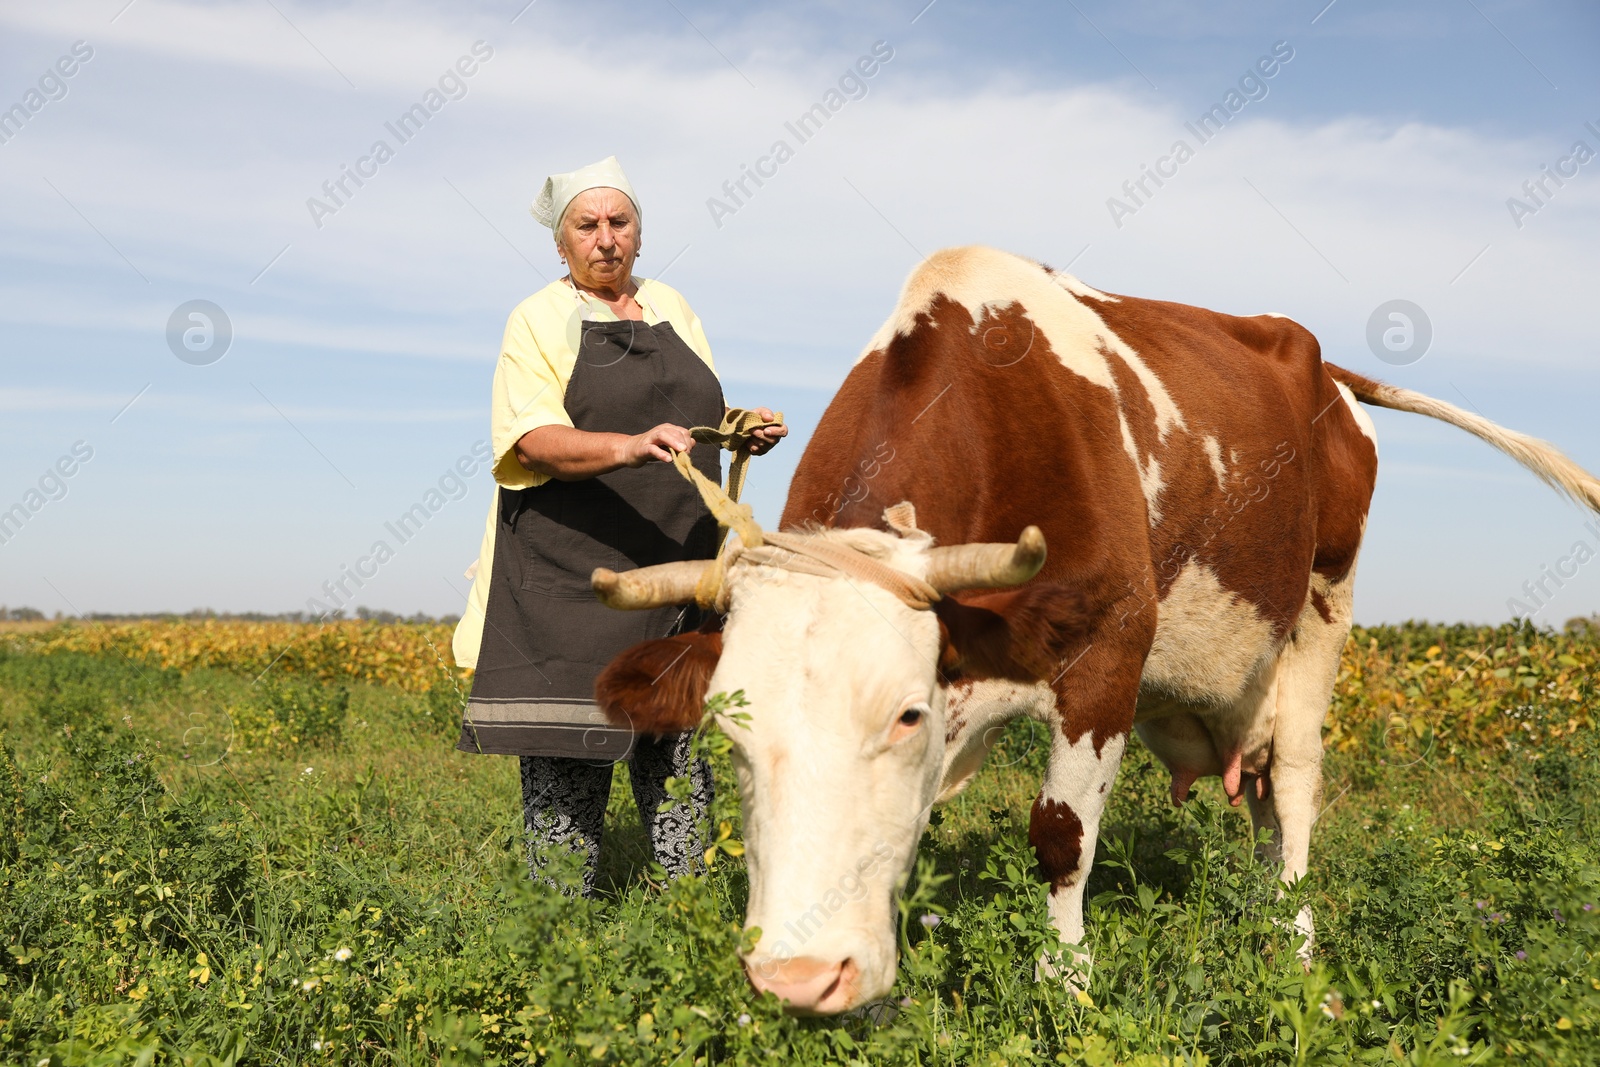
[{"x": 560, "y": 189}]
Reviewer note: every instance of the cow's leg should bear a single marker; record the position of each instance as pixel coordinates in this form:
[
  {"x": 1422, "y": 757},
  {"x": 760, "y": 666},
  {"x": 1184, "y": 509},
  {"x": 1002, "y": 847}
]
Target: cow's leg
[
  {"x": 1301, "y": 692},
  {"x": 1095, "y": 703},
  {"x": 1065, "y": 828},
  {"x": 1264, "y": 816}
]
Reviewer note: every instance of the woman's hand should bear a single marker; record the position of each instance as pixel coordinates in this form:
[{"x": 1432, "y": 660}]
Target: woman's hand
[
  {"x": 656, "y": 443},
  {"x": 571, "y": 455},
  {"x": 762, "y": 440}
]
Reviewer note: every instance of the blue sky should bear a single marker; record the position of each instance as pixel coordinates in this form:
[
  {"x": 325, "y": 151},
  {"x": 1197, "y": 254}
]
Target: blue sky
[{"x": 178, "y": 164}]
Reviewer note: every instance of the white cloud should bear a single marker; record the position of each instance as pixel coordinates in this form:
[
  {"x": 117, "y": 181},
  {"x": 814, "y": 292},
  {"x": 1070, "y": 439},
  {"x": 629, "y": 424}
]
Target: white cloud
[{"x": 1396, "y": 210}]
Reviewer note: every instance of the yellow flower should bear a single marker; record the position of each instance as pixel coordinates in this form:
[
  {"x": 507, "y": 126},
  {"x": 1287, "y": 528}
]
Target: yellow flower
[{"x": 202, "y": 969}]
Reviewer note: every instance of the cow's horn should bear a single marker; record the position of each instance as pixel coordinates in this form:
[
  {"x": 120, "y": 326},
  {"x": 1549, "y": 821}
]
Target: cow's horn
[
  {"x": 986, "y": 566},
  {"x": 648, "y": 587}
]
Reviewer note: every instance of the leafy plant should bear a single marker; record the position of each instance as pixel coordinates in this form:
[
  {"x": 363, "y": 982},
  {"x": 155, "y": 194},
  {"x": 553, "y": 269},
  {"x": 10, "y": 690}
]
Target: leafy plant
[
  {"x": 322, "y": 878},
  {"x": 283, "y": 712}
]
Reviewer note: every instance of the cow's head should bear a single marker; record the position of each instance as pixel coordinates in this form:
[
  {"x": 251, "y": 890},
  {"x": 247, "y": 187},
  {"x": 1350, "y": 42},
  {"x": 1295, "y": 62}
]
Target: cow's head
[{"x": 839, "y": 759}]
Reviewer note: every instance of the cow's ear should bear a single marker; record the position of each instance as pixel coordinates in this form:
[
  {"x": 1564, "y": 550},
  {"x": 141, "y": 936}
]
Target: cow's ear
[
  {"x": 659, "y": 687},
  {"x": 1023, "y": 635}
]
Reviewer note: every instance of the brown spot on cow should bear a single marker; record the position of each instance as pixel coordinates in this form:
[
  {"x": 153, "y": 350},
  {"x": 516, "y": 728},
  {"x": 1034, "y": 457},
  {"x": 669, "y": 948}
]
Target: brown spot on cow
[
  {"x": 1259, "y": 532},
  {"x": 1056, "y": 834}
]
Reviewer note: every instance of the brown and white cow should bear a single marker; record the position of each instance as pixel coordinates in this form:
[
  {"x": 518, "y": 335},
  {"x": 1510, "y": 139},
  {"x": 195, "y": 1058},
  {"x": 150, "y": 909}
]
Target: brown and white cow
[{"x": 1202, "y": 482}]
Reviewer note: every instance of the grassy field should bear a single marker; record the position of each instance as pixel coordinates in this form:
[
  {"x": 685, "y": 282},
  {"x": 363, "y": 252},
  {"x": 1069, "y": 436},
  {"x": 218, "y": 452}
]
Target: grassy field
[{"x": 199, "y": 867}]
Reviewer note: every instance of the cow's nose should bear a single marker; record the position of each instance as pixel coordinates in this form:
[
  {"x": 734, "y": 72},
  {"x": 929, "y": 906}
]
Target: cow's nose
[{"x": 809, "y": 985}]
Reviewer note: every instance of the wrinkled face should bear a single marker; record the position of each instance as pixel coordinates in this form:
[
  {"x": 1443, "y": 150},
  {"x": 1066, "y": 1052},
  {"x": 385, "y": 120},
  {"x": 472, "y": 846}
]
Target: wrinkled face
[
  {"x": 838, "y": 766},
  {"x": 599, "y": 238}
]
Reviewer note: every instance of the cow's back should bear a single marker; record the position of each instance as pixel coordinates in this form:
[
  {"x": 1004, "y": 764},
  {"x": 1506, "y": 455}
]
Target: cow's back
[
  {"x": 985, "y": 401},
  {"x": 1188, "y": 467}
]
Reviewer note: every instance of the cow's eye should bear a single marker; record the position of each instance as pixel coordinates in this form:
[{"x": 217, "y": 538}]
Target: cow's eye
[{"x": 907, "y": 723}]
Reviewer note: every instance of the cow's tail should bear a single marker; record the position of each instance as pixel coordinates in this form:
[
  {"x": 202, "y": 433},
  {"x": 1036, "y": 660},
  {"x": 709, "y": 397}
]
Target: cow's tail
[{"x": 1552, "y": 465}]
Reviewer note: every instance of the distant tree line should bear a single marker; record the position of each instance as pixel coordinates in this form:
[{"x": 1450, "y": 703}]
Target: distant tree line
[
  {"x": 1579, "y": 625},
  {"x": 26, "y": 614}
]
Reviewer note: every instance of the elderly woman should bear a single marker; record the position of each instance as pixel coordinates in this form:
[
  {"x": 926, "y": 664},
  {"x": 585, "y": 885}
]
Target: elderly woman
[{"x": 600, "y": 376}]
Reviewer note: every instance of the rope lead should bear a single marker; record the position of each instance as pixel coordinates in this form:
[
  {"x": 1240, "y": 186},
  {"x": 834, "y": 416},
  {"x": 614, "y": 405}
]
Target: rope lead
[{"x": 797, "y": 552}]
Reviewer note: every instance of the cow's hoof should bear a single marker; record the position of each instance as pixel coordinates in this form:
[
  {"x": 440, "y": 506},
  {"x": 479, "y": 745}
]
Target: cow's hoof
[
  {"x": 1070, "y": 969},
  {"x": 1305, "y": 927}
]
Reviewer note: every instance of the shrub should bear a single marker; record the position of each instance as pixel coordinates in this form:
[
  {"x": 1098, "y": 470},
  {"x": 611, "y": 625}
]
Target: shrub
[{"x": 281, "y": 713}]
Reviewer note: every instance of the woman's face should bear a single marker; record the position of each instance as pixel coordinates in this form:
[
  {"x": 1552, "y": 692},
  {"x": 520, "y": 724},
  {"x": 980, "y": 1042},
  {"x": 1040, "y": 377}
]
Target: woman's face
[{"x": 600, "y": 238}]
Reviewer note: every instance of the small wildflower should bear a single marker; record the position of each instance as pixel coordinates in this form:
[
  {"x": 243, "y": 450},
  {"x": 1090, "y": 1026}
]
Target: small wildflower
[
  {"x": 316, "y": 1046},
  {"x": 309, "y": 770},
  {"x": 1521, "y": 955},
  {"x": 201, "y": 970},
  {"x": 930, "y": 920},
  {"x": 308, "y": 985},
  {"x": 744, "y": 1018},
  {"x": 342, "y": 954}
]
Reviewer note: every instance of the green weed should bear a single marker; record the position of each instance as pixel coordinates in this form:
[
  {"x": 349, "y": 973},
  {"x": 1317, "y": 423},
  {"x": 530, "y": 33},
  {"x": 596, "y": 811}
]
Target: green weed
[{"x": 204, "y": 868}]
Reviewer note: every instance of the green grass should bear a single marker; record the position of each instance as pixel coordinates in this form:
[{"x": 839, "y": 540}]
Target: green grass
[{"x": 197, "y": 870}]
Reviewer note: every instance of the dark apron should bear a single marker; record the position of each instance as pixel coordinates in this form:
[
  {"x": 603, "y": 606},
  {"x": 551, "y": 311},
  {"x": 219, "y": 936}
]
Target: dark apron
[{"x": 545, "y": 636}]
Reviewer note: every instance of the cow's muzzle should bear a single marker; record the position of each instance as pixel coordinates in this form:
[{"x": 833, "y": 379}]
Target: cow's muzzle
[{"x": 807, "y": 985}]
